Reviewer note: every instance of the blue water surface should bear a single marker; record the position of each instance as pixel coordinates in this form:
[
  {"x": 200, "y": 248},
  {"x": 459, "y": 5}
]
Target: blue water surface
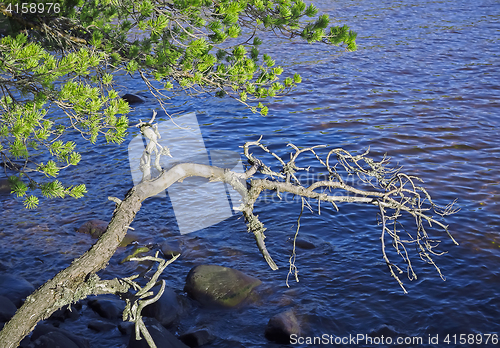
[{"x": 423, "y": 87}]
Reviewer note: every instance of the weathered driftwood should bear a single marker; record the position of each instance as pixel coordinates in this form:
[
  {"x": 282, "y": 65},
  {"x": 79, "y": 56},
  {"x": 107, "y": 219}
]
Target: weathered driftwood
[{"x": 392, "y": 190}]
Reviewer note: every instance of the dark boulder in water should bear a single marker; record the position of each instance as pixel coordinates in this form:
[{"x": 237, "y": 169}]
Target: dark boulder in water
[
  {"x": 132, "y": 99},
  {"x": 281, "y": 326},
  {"x": 197, "y": 338},
  {"x": 52, "y": 340},
  {"x": 95, "y": 228},
  {"x": 107, "y": 307},
  {"x": 219, "y": 286},
  {"x": 161, "y": 336},
  {"x": 101, "y": 326},
  {"x": 15, "y": 288},
  {"x": 166, "y": 310},
  {"x": 5, "y": 186},
  {"x": 386, "y": 331},
  {"x": 7, "y": 309},
  {"x": 170, "y": 249},
  {"x": 304, "y": 244},
  {"x": 48, "y": 336}
]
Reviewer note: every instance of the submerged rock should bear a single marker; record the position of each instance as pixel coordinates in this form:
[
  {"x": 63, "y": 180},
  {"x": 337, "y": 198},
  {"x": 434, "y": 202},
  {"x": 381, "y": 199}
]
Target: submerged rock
[
  {"x": 304, "y": 244},
  {"x": 48, "y": 336},
  {"x": 139, "y": 251},
  {"x": 170, "y": 249},
  {"x": 166, "y": 310},
  {"x": 5, "y": 187},
  {"x": 126, "y": 327},
  {"x": 66, "y": 312},
  {"x": 5, "y": 266},
  {"x": 281, "y": 326},
  {"x": 132, "y": 99},
  {"x": 101, "y": 326},
  {"x": 386, "y": 331},
  {"x": 213, "y": 285},
  {"x": 7, "y": 309},
  {"x": 108, "y": 308},
  {"x": 197, "y": 338},
  {"x": 54, "y": 340},
  {"x": 161, "y": 336},
  {"x": 15, "y": 288},
  {"x": 95, "y": 228},
  {"x": 129, "y": 238}
]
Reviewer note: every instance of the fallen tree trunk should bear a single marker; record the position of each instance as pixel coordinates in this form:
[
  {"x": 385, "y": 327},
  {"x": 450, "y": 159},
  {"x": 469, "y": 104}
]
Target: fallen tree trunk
[{"x": 392, "y": 191}]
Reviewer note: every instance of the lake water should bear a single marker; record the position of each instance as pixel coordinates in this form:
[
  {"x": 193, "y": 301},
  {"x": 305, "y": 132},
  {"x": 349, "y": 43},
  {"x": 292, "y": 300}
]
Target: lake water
[{"x": 423, "y": 87}]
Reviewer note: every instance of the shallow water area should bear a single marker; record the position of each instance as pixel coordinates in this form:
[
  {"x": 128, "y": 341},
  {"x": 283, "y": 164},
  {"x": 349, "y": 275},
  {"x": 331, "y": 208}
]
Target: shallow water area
[{"x": 422, "y": 87}]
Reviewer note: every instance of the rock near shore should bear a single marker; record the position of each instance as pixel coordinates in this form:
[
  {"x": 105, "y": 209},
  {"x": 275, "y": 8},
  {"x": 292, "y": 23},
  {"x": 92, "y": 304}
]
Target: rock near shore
[{"x": 219, "y": 286}]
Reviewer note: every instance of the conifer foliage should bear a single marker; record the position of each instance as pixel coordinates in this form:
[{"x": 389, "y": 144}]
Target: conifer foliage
[{"x": 63, "y": 55}]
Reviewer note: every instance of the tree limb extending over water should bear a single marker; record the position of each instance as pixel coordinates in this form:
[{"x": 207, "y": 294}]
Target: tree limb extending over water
[{"x": 391, "y": 190}]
